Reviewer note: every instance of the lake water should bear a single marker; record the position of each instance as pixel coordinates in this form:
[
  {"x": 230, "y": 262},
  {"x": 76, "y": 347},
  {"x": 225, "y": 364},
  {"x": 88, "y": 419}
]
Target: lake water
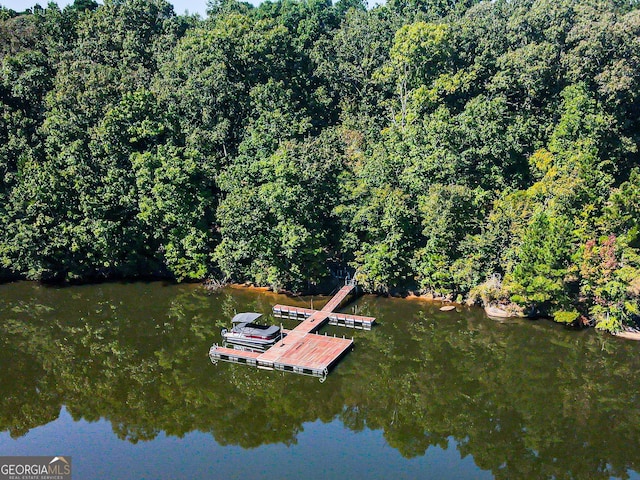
[{"x": 117, "y": 376}]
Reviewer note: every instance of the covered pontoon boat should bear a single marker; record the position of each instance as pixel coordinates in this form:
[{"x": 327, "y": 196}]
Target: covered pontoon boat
[{"x": 247, "y": 333}]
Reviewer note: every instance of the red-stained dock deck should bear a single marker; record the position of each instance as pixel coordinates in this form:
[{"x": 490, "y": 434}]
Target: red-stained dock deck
[{"x": 301, "y": 351}]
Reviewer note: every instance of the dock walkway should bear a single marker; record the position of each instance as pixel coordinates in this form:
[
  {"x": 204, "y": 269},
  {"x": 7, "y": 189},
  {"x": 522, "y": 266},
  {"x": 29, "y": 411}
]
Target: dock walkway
[{"x": 302, "y": 350}]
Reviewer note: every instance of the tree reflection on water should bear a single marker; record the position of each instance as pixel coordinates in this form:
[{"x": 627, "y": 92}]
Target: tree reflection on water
[{"x": 526, "y": 399}]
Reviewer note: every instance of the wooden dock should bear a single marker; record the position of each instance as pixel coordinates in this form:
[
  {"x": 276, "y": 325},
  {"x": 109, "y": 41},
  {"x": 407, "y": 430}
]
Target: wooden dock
[
  {"x": 302, "y": 351},
  {"x": 340, "y": 319}
]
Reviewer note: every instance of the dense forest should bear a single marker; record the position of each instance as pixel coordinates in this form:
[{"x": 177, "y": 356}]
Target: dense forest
[{"x": 483, "y": 150}]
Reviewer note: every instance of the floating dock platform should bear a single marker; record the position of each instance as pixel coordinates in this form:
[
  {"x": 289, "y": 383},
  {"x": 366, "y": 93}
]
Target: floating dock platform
[
  {"x": 340, "y": 319},
  {"x": 302, "y": 351}
]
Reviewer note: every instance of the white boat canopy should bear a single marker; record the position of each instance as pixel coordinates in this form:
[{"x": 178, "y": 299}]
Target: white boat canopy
[{"x": 246, "y": 317}]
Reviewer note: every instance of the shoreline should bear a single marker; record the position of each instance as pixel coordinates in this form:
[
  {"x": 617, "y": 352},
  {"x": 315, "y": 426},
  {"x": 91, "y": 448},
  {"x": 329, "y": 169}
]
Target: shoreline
[
  {"x": 628, "y": 335},
  {"x": 406, "y": 295},
  {"x": 413, "y": 297}
]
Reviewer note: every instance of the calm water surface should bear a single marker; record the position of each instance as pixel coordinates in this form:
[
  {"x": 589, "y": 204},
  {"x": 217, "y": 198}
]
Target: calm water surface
[{"x": 118, "y": 377}]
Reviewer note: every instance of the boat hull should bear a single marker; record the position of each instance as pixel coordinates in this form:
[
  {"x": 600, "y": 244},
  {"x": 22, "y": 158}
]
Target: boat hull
[
  {"x": 241, "y": 338},
  {"x": 249, "y": 342}
]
